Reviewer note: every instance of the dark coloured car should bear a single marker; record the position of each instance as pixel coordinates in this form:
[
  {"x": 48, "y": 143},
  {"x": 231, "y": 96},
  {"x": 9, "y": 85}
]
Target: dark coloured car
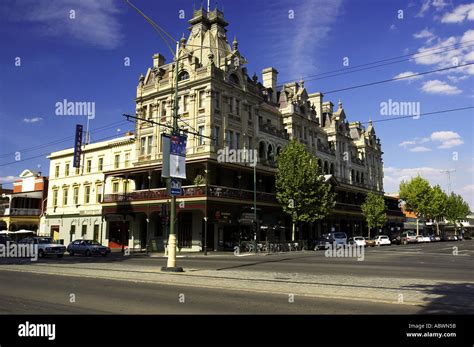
[
  {"x": 4, "y": 239},
  {"x": 87, "y": 248},
  {"x": 324, "y": 242}
]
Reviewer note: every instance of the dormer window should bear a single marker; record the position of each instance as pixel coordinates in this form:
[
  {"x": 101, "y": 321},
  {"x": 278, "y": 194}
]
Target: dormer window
[
  {"x": 234, "y": 79},
  {"x": 184, "y": 75}
]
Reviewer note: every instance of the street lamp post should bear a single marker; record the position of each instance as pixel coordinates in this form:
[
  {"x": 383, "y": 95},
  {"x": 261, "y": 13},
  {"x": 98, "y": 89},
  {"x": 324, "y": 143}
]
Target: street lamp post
[
  {"x": 205, "y": 212},
  {"x": 171, "y": 263}
]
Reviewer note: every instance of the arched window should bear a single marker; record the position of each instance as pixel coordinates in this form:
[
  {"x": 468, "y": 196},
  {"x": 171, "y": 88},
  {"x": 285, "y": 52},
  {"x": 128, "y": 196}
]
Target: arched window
[
  {"x": 320, "y": 164},
  {"x": 261, "y": 150},
  {"x": 234, "y": 79},
  {"x": 331, "y": 170},
  {"x": 278, "y": 150},
  {"x": 361, "y": 177},
  {"x": 326, "y": 167},
  {"x": 270, "y": 152},
  {"x": 183, "y": 75},
  {"x": 357, "y": 177}
]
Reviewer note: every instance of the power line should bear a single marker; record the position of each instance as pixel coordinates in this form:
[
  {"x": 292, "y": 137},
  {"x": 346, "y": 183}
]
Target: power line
[
  {"x": 43, "y": 154},
  {"x": 55, "y": 142},
  {"x": 416, "y": 55},
  {"x": 396, "y": 78},
  {"x": 421, "y": 114}
]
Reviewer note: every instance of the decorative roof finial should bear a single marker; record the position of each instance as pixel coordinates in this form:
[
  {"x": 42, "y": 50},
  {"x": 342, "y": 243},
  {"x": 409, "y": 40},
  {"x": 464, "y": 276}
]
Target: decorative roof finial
[
  {"x": 302, "y": 83},
  {"x": 235, "y": 44},
  {"x": 339, "y": 104},
  {"x": 182, "y": 40}
]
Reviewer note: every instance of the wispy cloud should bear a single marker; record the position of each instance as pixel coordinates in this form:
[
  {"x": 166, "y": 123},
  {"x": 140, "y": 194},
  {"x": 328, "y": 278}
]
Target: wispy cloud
[
  {"x": 406, "y": 74},
  {"x": 295, "y": 41},
  {"x": 420, "y": 149},
  {"x": 89, "y": 21},
  {"x": 32, "y": 120}
]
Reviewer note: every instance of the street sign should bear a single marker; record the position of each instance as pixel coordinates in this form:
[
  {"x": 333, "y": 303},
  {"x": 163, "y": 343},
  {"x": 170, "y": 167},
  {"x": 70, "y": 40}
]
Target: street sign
[
  {"x": 175, "y": 187},
  {"x": 77, "y": 146}
]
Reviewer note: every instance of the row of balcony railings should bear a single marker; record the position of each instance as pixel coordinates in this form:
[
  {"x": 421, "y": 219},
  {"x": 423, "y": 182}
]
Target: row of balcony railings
[
  {"x": 13, "y": 211},
  {"x": 191, "y": 191}
]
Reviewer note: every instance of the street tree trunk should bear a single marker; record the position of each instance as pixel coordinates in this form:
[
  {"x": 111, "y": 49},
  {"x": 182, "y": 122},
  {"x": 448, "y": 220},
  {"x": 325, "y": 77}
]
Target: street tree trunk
[
  {"x": 293, "y": 231},
  {"x": 368, "y": 231},
  {"x": 417, "y": 228},
  {"x": 437, "y": 228}
]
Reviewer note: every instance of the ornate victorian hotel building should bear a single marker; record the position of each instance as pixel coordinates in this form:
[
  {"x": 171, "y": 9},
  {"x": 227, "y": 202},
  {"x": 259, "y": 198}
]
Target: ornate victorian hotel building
[{"x": 218, "y": 99}]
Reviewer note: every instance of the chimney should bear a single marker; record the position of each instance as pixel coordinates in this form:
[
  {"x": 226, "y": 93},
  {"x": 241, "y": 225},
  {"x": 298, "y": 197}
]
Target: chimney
[
  {"x": 317, "y": 100},
  {"x": 269, "y": 80},
  {"x": 158, "y": 60}
]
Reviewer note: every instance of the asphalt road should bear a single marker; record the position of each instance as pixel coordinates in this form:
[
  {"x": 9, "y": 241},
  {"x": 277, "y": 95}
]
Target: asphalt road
[
  {"x": 434, "y": 261},
  {"x": 27, "y": 292}
]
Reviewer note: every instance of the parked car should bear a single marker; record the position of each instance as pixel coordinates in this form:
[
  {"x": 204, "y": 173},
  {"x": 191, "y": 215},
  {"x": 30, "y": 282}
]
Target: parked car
[
  {"x": 369, "y": 242},
  {"x": 434, "y": 238},
  {"x": 406, "y": 237},
  {"x": 87, "y": 248},
  {"x": 324, "y": 242},
  {"x": 46, "y": 246},
  {"x": 422, "y": 238},
  {"x": 357, "y": 240},
  {"x": 339, "y": 237},
  {"x": 382, "y": 240},
  {"x": 4, "y": 239}
]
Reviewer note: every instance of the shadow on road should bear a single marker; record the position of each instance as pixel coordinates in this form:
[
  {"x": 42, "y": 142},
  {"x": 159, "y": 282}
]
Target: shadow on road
[
  {"x": 454, "y": 298},
  {"x": 78, "y": 259}
]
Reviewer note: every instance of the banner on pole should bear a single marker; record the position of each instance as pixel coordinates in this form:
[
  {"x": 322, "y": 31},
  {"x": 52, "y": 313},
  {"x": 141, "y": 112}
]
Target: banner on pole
[
  {"x": 78, "y": 146},
  {"x": 177, "y": 163},
  {"x": 165, "y": 145}
]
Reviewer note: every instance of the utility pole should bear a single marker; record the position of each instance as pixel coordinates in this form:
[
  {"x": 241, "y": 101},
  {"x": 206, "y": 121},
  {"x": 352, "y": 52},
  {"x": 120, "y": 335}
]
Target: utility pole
[{"x": 448, "y": 174}]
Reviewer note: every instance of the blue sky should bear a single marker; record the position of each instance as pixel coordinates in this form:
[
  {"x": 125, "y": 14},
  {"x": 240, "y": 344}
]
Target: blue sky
[{"x": 82, "y": 59}]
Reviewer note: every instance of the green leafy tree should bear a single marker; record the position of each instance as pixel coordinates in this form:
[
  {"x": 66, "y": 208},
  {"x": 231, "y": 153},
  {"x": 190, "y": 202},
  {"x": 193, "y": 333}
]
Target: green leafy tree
[
  {"x": 416, "y": 195},
  {"x": 457, "y": 209},
  {"x": 374, "y": 210},
  {"x": 301, "y": 188},
  {"x": 437, "y": 205}
]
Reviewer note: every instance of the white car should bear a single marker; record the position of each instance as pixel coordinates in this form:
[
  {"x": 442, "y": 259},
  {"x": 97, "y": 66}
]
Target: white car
[
  {"x": 357, "y": 240},
  {"x": 421, "y": 238},
  {"x": 382, "y": 240}
]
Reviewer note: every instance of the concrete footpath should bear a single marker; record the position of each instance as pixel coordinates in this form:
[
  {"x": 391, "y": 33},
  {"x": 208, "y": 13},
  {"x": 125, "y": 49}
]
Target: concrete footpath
[{"x": 408, "y": 291}]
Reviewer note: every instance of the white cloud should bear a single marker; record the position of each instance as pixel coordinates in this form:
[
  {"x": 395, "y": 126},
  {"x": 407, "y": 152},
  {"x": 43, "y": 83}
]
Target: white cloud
[
  {"x": 405, "y": 144},
  {"x": 425, "y": 34},
  {"x": 407, "y": 73},
  {"x": 439, "y": 87},
  {"x": 439, "y": 4},
  {"x": 32, "y": 120},
  {"x": 416, "y": 143},
  {"x": 448, "y": 139},
  {"x": 456, "y": 79},
  {"x": 459, "y": 14},
  {"x": 393, "y": 27},
  {"x": 420, "y": 149},
  {"x": 448, "y": 52},
  {"x": 94, "y": 22},
  {"x": 467, "y": 189},
  {"x": 8, "y": 179}
]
